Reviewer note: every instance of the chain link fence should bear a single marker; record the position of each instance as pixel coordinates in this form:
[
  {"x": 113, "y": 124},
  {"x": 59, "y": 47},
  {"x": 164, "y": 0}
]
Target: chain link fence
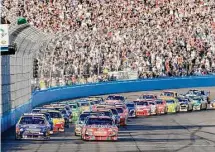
[{"x": 16, "y": 71}]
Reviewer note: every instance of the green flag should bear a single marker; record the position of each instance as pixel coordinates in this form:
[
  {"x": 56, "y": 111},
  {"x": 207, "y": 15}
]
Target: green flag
[{"x": 21, "y": 20}]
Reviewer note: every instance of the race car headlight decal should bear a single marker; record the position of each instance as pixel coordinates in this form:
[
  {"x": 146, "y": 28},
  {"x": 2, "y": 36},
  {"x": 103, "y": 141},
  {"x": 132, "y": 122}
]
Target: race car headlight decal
[
  {"x": 21, "y": 129},
  {"x": 43, "y": 130},
  {"x": 89, "y": 132}
]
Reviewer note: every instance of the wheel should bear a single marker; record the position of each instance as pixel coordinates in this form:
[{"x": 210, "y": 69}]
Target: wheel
[
  {"x": 76, "y": 134},
  {"x": 17, "y": 137}
]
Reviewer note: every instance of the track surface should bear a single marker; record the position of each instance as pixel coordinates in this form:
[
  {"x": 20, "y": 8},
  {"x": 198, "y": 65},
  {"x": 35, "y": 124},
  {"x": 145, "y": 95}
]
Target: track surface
[{"x": 182, "y": 132}]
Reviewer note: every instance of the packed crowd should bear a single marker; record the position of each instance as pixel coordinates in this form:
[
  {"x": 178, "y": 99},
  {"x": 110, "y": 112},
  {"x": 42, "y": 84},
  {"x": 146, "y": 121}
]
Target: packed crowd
[{"x": 157, "y": 38}]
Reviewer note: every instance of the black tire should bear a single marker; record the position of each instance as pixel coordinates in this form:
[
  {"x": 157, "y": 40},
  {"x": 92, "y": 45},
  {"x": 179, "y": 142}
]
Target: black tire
[{"x": 17, "y": 137}]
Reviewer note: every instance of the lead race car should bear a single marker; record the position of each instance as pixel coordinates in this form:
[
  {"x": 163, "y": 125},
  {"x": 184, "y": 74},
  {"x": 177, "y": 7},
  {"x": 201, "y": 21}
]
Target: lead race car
[
  {"x": 99, "y": 128},
  {"x": 32, "y": 126}
]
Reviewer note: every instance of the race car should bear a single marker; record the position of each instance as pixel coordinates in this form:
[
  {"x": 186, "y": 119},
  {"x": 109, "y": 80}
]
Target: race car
[
  {"x": 153, "y": 107},
  {"x": 106, "y": 112},
  {"x": 169, "y": 94},
  {"x": 143, "y": 108},
  {"x": 75, "y": 111},
  {"x": 47, "y": 115},
  {"x": 32, "y": 126},
  {"x": 148, "y": 96},
  {"x": 172, "y": 105},
  {"x": 123, "y": 116},
  {"x": 58, "y": 120},
  {"x": 93, "y": 104},
  {"x": 204, "y": 94},
  {"x": 185, "y": 104},
  {"x": 198, "y": 103},
  {"x": 212, "y": 104},
  {"x": 161, "y": 106},
  {"x": 123, "y": 105},
  {"x": 84, "y": 105},
  {"x": 131, "y": 109},
  {"x": 115, "y": 99},
  {"x": 80, "y": 122},
  {"x": 99, "y": 128}
]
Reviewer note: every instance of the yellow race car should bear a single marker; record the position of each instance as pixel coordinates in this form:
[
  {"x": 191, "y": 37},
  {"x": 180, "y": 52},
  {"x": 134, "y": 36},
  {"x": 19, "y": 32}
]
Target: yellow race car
[
  {"x": 173, "y": 104},
  {"x": 58, "y": 120}
]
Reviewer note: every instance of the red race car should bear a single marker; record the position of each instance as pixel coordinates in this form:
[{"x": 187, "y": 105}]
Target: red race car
[
  {"x": 99, "y": 128},
  {"x": 123, "y": 116},
  {"x": 161, "y": 106},
  {"x": 143, "y": 108}
]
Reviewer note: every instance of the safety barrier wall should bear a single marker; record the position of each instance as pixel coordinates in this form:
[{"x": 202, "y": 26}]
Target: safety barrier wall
[
  {"x": 78, "y": 91},
  {"x": 16, "y": 73},
  {"x": 71, "y": 92}
]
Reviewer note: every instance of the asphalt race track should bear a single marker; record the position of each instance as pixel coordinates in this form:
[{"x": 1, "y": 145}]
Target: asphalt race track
[{"x": 181, "y": 132}]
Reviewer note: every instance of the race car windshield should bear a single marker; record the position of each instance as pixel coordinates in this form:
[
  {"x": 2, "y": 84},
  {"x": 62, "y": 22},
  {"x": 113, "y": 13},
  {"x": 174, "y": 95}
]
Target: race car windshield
[
  {"x": 130, "y": 105},
  {"x": 159, "y": 102},
  {"x": 115, "y": 98},
  {"x": 63, "y": 112},
  {"x": 58, "y": 109},
  {"x": 96, "y": 102},
  {"x": 170, "y": 101},
  {"x": 55, "y": 115},
  {"x": 99, "y": 121},
  {"x": 105, "y": 113},
  {"x": 83, "y": 116},
  {"x": 148, "y": 97},
  {"x": 114, "y": 111},
  {"x": 196, "y": 98},
  {"x": 35, "y": 110},
  {"x": 67, "y": 108},
  {"x": 120, "y": 110},
  {"x": 73, "y": 106},
  {"x": 85, "y": 104},
  {"x": 169, "y": 94},
  {"x": 32, "y": 120},
  {"x": 151, "y": 103},
  {"x": 182, "y": 100},
  {"x": 142, "y": 103}
]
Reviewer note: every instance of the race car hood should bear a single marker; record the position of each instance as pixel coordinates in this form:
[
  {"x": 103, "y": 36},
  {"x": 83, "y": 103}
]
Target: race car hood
[
  {"x": 100, "y": 126},
  {"x": 143, "y": 107},
  {"x": 57, "y": 120},
  {"x": 196, "y": 103}
]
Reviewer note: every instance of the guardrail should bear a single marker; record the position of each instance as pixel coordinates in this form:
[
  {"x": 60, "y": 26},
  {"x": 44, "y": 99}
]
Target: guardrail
[{"x": 78, "y": 91}]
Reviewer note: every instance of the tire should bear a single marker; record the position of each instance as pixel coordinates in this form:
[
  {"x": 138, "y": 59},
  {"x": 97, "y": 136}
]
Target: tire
[{"x": 17, "y": 137}]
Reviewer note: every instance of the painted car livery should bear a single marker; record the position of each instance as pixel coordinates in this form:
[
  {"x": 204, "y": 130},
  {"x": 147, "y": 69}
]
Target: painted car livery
[
  {"x": 143, "y": 108},
  {"x": 58, "y": 120},
  {"x": 161, "y": 106},
  {"x": 99, "y": 128},
  {"x": 33, "y": 126}
]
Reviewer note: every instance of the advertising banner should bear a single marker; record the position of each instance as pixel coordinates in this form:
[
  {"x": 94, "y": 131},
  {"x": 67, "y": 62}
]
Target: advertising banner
[{"x": 4, "y": 37}]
